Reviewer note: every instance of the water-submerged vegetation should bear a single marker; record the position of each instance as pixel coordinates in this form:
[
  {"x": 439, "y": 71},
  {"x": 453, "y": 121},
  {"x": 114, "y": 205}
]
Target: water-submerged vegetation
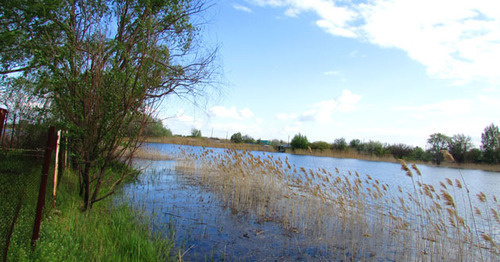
[{"x": 350, "y": 216}]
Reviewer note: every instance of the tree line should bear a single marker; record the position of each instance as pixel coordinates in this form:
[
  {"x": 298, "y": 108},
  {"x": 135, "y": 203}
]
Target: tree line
[{"x": 459, "y": 146}]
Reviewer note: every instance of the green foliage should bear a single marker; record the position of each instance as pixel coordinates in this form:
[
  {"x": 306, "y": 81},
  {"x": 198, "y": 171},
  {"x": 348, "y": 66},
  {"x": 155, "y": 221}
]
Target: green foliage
[
  {"x": 236, "y": 138},
  {"x": 437, "y": 142},
  {"x": 374, "y": 148},
  {"x": 155, "y": 128},
  {"x": 490, "y": 144},
  {"x": 458, "y": 147},
  {"x": 299, "y": 142},
  {"x": 320, "y": 145},
  {"x": 248, "y": 139},
  {"x": 102, "y": 79},
  {"x": 340, "y": 144},
  {"x": 355, "y": 144},
  {"x": 473, "y": 156},
  {"x": 400, "y": 151},
  {"x": 195, "y": 132}
]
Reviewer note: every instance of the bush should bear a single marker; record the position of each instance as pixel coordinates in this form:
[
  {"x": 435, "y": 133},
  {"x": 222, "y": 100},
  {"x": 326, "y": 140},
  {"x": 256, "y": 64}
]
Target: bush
[{"x": 320, "y": 145}]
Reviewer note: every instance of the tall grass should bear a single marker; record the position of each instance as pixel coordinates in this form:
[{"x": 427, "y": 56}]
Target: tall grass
[
  {"x": 107, "y": 233},
  {"x": 353, "y": 216}
]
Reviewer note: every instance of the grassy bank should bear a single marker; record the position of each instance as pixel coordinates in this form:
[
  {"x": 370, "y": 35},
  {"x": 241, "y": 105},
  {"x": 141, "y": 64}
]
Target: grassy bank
[{"x": 107, "y": 233}]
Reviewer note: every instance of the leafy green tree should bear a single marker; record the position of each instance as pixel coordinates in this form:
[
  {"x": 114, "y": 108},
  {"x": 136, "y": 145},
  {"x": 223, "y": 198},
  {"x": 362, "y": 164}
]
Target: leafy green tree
[
  {"x": 299, "y": 142},
  {"x": 490, "y": 144},
  {"x": 237, "y": 138},
  {"x": 374, "y": 148},
  {"x": 340, "y": 144},
  {"x": 437, "y": 142},
  {"x": 473, "y": 156},
  {"x": 248, "y": 139},
  {"x": 419, "y": 154},
  {"x": 458, "y": 147},
  {"x": 195, "y": 132},
  {"x": 400, "y": 151},
  {"x": 155, "y": 128},
  {"x": 102, "y": 64},
  {"x": 320, "y": 145},
  {"x": 355, "y": 144}
]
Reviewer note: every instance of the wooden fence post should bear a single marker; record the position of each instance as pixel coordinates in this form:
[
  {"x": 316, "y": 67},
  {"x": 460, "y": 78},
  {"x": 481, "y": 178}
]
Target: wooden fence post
[
  {"x": 56, "y": 168},
  {"x": 43, "y": 186}
]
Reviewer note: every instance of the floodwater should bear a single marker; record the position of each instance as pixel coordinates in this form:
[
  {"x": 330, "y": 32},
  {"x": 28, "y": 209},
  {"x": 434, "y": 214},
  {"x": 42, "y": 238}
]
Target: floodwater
[{"x": 206, "y": 229}]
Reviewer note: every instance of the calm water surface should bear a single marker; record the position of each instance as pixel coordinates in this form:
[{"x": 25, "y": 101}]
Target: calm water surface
[{"x": 208, "y": 230}]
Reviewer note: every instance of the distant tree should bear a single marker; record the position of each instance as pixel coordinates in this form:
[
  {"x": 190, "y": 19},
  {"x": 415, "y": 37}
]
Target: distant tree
[
  {"x": 473, "y": 156},
  {"x": 236, "y": 138},
  {"x": 437, "y": 142},
  {"x": 299, "y": 142},
  {"x": 320, "y": 145},
  {"x": 490, "y": 140},
  {"x": 400, "y": 151},
  {"x": 195, "y": 132},
  {"x": 419, "y": 154},
  {"x": 248, "y": 139},
  {"x": 374, "y": 148},
  {"x": 340, "y": 144},
  {"x": 458, "y": 147},
  {"x": 355, "y": 143}
]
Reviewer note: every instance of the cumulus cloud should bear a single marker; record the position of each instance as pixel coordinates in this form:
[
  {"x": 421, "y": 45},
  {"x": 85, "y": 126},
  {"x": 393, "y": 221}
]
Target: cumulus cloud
[
  {"x": 232, "y": 112},
  {"x": 242, "y": 8},
  {"x": 322, "y": 112},
  {"x": 457, "y": 40}
]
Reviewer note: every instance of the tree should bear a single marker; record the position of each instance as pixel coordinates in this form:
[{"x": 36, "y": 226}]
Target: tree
[
  {"x": 248, "y": 139},
  {"x": 458, "y": 146},
  {"x": 355, "y": 143},
  {"x": 490, "y": 144},
  {"x": 155, "y": 128},
  {"x": 299, "y": 142},
  {"x": 340, "y": 144},
  {"x": 320, "y": 145},
  {"x": 195, "y": 132},
  {"x": 400, "y": 151},
  {"x": 437, "y": 142},
  {"x": 236, "y": 138},
  {"x": 103, "y": 64}
]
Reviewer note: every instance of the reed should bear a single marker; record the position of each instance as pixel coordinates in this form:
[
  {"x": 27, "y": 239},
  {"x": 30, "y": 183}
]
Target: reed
[{"x": 352, "y": 215}]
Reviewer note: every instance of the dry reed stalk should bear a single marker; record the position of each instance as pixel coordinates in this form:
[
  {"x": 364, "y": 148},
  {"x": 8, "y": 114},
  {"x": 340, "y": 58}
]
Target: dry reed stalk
[{"x": 347, "y": 205}]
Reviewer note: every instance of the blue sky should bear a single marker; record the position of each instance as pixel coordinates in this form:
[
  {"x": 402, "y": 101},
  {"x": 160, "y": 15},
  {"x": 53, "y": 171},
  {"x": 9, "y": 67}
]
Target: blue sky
[{"x": 393, "y": 71}]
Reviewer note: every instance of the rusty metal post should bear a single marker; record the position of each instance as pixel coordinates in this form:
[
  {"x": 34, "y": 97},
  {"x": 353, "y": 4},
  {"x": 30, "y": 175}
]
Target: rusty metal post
[
  {"x": 3, "y": 113},
  {"x": 43, "y": 185}
]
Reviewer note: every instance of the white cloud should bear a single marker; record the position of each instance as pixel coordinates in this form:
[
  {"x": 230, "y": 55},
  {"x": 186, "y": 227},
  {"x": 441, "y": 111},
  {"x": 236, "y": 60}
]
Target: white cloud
[
  {"x": 457, "y": 40},
  {"x": 242, "y": 8},
  {"x": 322, "y": 112},
  {"x": 232, "y": 112},
  {"x": 443, "y": 108},
  {"x": 333, "y": 73},
  {"x": 286, "y": 116},
  {"x": 348, "y": 101}
]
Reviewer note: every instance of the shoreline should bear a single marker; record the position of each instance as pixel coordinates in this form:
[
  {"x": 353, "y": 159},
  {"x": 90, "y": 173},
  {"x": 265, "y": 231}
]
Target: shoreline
[{"x": 350, "y": 154}]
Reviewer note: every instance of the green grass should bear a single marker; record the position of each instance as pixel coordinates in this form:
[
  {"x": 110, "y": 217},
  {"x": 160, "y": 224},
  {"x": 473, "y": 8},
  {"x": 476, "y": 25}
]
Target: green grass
[{"x": 106, "y": 233}]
